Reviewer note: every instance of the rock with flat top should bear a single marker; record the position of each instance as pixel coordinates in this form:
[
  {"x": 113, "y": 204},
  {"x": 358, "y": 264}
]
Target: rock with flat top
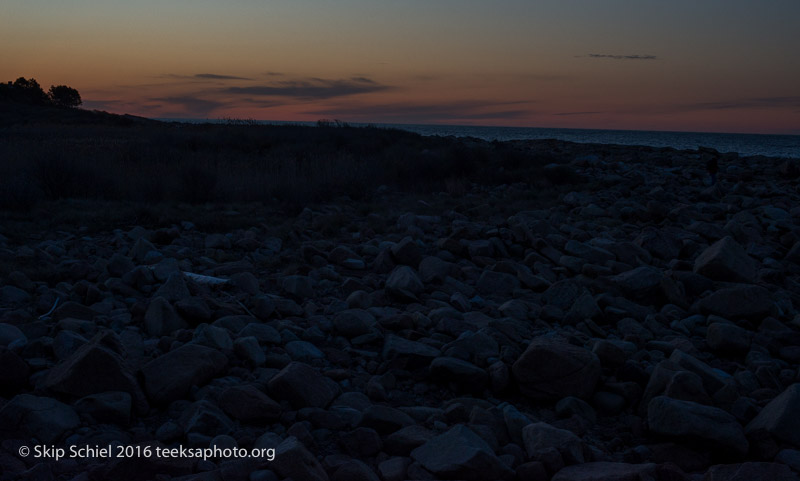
[
  {"x": 551, "y": 369},
  {"x": 690, "y": 420},
  {"x": 460, "y": 454},
  {"x": 170, "y": 376},
  {"x": 726, "y": 260}
]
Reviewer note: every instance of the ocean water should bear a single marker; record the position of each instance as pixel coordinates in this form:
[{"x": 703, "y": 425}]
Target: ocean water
[
  {"x": 744, "y": 144},
  {"x": 786, "y": 146}
]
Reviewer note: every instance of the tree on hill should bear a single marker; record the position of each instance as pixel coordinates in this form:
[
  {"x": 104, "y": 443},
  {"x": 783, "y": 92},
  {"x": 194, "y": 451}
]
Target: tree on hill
[
  {"x": 63, "y": 96},
  {"x": 30, "y": 92}
]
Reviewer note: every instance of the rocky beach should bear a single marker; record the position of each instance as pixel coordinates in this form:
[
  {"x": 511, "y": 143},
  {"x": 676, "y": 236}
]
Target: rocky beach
[{"x": 624, "y": 321}]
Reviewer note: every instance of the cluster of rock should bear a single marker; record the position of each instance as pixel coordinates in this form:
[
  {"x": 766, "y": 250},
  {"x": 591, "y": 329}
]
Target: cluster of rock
[{"x": 641, "y": 328}]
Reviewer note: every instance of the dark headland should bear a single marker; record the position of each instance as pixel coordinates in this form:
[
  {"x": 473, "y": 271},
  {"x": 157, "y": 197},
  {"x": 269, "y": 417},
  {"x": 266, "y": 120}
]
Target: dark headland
[{"x": 378, "y": 305}]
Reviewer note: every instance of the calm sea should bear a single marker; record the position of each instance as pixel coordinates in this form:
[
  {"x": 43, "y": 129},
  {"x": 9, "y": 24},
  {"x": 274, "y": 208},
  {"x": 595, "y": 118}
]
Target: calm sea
[{"x": 744, "y": 144}]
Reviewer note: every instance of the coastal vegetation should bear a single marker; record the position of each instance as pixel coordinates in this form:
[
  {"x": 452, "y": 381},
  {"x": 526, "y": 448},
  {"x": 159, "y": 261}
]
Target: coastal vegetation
[{"x": 52, "y": 153}]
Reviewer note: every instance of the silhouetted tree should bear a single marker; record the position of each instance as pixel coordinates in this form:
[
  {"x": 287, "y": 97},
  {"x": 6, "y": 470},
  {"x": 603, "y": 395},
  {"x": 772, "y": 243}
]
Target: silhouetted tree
[
  {"x": 29, "y": 90},
  {"x": 63, "y": 96}
]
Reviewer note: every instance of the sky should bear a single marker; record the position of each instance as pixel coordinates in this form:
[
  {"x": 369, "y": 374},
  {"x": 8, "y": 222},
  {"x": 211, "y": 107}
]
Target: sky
[{"x": 680, "y": 65}]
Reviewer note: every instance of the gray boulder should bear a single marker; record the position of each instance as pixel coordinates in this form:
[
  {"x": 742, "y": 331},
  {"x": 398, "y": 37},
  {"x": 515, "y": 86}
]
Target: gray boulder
[
  {"x": 415, "y": 353},
  {"x": 751, "y": 472},
  {"x": 551, "y": 369},
  {"x": 107, "y": 407},
  {"x": 727, "y": 337},
  {"x": 96, "y": 367},
  {"x": 639, "y": 283},
  {"x": 607, "y": 471},
  {"x": 298, "y": 286},
  {"x": 563, "y": 294},
  {"x": 462, "y": 374},
  {"x": 493, "y": 283},
  {"x": 672, "y": 417},
  {"x": 293, "y": 460},
  {"x": 353, "y": 322},
  {"x": 726, "y": 260},
  {"x": 303, "y": 386},
  {"x": 160, "y": 319},
  {"x": 248, "y": 404},
  {"x": 779, "y": 417},
  {"x": 541, "y": 438},
  {"x": 460, "y": 454},
  {"x": 403, "y": 282},
  {"x": 170, "y": 376},
  {"x": 749, "y": 302},
  {"x": 11, "y": 296},
  {"x": 39, "y": 417},
  {"x": 10, "y": 334},
  {"x": 406, "y": 252},
  {"x": 174, "y": 289}
]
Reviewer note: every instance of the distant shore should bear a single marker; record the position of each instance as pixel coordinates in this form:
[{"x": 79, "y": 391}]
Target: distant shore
[{"x": 746, "y": 144}]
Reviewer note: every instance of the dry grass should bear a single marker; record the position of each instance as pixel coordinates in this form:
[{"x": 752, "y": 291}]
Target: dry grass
[{"x": 290, "y": 165}]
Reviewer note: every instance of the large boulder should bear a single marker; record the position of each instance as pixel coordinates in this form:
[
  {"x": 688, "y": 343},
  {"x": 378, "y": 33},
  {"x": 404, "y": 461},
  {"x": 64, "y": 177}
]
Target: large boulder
[
  {"x": 727, "y": 337},
  {"x": 461, "y": 374},
  {"x": 303, "y": 386},
  {"x": 608, "y": 471},
  {"x": 11, "y": 296},
  {"x": 551, "y": 369},
  {"x": 94, "y": 368},
  {"x": 174, "y": 289},
  {"x": 460, "y": 454},
  {"x": 205, "y": 417},
  {"x": 353, "y": 322},
  {"x": 299, "y": 287},
  {"x": 726, "y": 260},
  {"x": 751, "y": 472},
  {"x": 659, "y": 243},
  {"x": 540, "y": 439},
  {"x": 713, "y": 379},
  {"x": 248, "y": 404},
  {"x": 403, "y": 282},
  {"x": 493, "y": 283},
  {"x": 746, "y": 301},
  {"x": 170, "y": 376},
  {"x": 639, "y": 283},
  {"x": 10, "y": 334},
  {"x": 779, "y": 417},
  {"x": 563, "y": 294},
  {"x": 415, "y": 354},
  {"x": 292, "y": 460},
  {"x": 406, "y": 252},
  {"x": 40, "y": 417},
  {"x": 686, "y": 419},
  {"x": 160, "y": 319}
]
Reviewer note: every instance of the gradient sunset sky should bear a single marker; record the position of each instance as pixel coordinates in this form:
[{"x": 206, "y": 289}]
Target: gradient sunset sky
[{"x": 687, "y": 65}]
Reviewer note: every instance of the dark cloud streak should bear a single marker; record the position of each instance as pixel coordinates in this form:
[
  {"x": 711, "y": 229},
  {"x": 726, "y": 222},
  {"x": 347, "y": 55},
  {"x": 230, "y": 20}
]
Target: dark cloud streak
[
  {"x": 622, "y": 57},
  {"x": 751, "y": 103},
  {"x": 564, "y": 114},
  {"x": 395, "y": 112},
  {"x": 192, "y": 105},
  {"x": 213, "y": 76},
  {"x": 312, "y": 88},
  {"x": 203, "y": 76}
]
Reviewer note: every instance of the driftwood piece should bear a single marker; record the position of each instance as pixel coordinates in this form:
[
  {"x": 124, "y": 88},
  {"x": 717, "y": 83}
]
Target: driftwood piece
[{"x": 207, "y": 280}]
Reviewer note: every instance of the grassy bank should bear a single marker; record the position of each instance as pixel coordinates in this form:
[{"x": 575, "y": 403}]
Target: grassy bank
[{"x": 114, "y": 158}]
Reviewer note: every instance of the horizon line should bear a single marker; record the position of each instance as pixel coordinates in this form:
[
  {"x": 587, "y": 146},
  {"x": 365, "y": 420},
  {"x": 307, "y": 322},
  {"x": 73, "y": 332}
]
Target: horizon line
[{"x": 360, "y": 123}]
